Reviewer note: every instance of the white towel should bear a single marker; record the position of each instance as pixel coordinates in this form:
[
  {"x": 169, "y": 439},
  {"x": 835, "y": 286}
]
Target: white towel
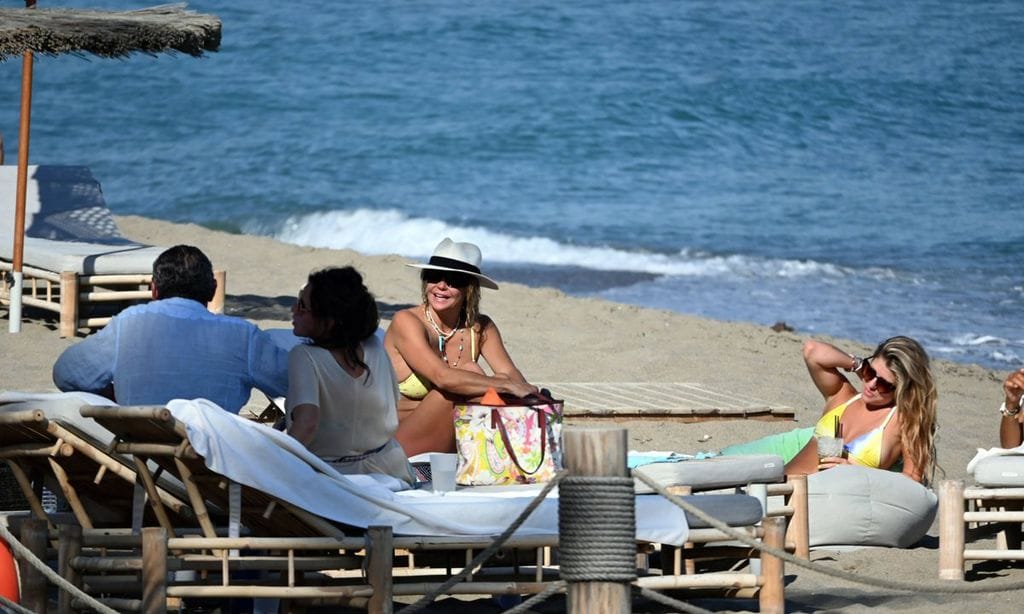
[{"x": 260, "y": 457}]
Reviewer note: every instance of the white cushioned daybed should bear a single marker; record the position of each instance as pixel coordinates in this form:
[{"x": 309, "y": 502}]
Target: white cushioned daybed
[
  {"x": 994, "y": 503},
  {"x": 76, "y": 262}
]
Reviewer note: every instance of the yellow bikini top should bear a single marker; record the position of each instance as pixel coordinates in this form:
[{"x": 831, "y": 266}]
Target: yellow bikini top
[
  {"x": 416, "y": 387},
  {"x": 864, "y": 450}
]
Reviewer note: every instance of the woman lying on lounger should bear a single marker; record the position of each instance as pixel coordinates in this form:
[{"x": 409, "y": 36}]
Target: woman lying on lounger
[
  {"x": 434, "y": 348},
  {"x": 891, "y": 419},
  {"x": 342, "y": 391}
]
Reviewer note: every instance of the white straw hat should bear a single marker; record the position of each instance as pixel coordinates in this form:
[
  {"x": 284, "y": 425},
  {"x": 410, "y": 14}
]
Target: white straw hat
[{"x": 459, "y": 258}]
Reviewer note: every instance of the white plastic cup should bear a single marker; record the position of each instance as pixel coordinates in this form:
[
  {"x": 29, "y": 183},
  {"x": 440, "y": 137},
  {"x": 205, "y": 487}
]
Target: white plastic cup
[{"x": 442, "y": 471}]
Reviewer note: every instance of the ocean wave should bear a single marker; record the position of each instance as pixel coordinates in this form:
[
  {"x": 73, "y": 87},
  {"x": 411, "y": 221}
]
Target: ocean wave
[
  {"x": 415, "y": 237},
  {"x": 969, "y": 339}
]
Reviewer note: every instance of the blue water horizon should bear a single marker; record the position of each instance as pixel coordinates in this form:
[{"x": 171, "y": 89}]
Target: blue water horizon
[{"x": 853, "y": 170}]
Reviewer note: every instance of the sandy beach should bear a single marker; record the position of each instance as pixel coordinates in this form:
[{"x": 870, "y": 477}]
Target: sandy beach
[{"x": 557, "y": 338}]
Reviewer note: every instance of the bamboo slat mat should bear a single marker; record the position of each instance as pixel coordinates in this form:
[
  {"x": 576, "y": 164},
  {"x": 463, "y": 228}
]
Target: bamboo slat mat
[{"x": 687, "y": 402}]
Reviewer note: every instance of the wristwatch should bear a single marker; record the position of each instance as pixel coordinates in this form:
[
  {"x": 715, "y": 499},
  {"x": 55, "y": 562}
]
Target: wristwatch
[{"x": 1007, "y": 412}]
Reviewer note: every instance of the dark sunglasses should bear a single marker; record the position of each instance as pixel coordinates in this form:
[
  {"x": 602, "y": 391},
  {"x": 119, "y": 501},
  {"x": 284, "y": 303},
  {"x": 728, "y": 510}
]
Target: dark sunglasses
[
  {"x": 451, "y": 278},
  {"x": 301, "y": 305},
  {"x": 868, "y": 373}
]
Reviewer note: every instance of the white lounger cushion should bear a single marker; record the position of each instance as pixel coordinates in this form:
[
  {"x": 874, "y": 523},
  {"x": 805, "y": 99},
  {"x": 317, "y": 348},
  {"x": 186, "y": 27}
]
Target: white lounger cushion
[
  {"x": 716, "y": 472},
  {"x": 68, "y": 226},
  {"x": 126, "y": 258},
  {"x": 858, "y": 506},
  {"x": 1000, "y": 471},
  {"x": 733, "y": 509}
]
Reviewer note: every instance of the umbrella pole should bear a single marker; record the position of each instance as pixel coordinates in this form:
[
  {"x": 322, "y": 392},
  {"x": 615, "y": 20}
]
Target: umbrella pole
[{"x": 14, "y": 311}]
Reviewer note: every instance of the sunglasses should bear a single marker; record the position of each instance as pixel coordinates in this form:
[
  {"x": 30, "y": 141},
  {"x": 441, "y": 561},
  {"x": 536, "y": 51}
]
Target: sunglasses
[
  {"x": 300, "y": 305},
  {"x": 868, "y": 373},
  {"x": 451, "y": 278}
]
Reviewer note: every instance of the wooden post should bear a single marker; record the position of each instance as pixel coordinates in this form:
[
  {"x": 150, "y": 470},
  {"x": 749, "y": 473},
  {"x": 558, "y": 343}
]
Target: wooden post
[
  {"x": 154, "y": 570},
  {"x": 70, "y": 547},
  {"x": 68, "y": 304},
  {"x": 380, "y": 549},
  {"x": 799, "y": 530},
  {"x": 952, "y": 530},
  {"x": 597, "y": 452},
  {"x": 771, "y": 597},
  {"x": 34, "y": 535}
]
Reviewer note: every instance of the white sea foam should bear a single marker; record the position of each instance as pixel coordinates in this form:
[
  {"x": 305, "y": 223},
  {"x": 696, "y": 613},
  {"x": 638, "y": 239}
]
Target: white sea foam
[
  {"x": 392, "y": 232},
  {"x": 970, "y": 339}
]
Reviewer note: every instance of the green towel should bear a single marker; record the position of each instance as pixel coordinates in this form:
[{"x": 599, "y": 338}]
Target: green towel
[{"x": 786, "y": 445}]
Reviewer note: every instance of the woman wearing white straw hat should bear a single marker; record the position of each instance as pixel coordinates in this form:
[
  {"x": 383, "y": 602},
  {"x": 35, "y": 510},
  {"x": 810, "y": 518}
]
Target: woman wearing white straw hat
[{"x": 435, "y": 347}]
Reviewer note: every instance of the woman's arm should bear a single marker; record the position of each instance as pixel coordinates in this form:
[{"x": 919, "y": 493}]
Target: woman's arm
[
  {"x": 1011, "y": 434},
  {"x": 305, "y": 419},
  {"x": 492, "y": 348},
  {"x": 303, "y": 395},
  {"x": 823, "y": 362},
  {"x": 410, "y": 339}
]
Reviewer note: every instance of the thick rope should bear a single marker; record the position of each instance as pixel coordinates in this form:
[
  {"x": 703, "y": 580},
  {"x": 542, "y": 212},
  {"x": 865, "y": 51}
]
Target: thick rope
[
  {"x": 498, "y": 542},
  {"x": 945, "y": 587},
  {"x": 9, "y": 606},
  {"x": 597, "y": 529},
  {"x": 522, "y": 608},
  {"x": 682, "y": 606},
  {"x": 27, "y": 556}
]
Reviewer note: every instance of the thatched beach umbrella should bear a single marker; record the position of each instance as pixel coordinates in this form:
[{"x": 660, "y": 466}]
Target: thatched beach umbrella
[{"x": 108, "y": 34}]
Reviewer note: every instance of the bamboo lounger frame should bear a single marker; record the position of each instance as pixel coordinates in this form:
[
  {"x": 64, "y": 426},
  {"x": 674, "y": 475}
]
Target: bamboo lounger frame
[
  {"x": 34, "y": 446},
  {"x": 993, "y": 509},
  {"x": 69, "y": 294},
  {"x": 300, "y": 539}
]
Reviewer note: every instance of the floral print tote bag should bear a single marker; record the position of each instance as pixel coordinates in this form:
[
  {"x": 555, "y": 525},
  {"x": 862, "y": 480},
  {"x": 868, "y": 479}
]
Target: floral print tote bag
[{"x": 508, "y": 444}]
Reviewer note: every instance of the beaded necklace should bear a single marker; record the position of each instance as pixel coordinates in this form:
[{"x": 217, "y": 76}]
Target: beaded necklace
[{"x": 442, "y": 337}]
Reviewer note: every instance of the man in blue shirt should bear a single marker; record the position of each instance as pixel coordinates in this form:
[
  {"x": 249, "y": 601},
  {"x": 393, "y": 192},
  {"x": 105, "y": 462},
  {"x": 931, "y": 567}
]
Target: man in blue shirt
[{"x": 173, "y": 347}]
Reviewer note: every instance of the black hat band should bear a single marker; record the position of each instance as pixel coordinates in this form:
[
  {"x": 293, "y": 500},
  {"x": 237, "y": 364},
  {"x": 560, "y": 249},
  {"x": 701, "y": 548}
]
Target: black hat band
[{"x": 453, "y": 264}]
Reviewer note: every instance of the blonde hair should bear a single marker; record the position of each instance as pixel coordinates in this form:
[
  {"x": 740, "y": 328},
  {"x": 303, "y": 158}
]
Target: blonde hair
[{"x": 916, "y": 398}]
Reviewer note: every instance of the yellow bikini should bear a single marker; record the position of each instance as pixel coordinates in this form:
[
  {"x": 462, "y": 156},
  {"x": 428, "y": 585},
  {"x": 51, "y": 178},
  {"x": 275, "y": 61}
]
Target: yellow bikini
[
  {"x": 416, "y": 387},
  {"x": 864, "y": 450}
]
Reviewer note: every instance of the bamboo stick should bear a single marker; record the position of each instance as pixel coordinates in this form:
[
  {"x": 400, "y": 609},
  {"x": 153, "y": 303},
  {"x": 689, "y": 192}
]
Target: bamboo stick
[
  {"x": 952, "y": 530},
  {"x": 154, "y": 570},
  {"x": 771, "y": 598},
  {"x": 71, "y": 494},
  {"x": 70, "y": 545},
  {"x": 155, "y": 501}
]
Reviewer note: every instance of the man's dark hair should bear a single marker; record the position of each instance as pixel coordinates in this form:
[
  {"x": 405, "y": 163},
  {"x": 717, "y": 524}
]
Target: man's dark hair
[{"x": 186, "y": 272}]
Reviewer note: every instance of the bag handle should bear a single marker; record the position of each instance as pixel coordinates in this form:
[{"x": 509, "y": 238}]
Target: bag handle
[{"x": 497, "y": 422}]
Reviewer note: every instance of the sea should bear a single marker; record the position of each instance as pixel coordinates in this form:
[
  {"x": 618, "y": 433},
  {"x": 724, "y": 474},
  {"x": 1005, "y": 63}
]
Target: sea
[{"x": 852, "y": 169}]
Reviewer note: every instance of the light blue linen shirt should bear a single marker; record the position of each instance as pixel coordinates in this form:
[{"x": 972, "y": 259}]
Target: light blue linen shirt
[{"x": 176, "y": 349}]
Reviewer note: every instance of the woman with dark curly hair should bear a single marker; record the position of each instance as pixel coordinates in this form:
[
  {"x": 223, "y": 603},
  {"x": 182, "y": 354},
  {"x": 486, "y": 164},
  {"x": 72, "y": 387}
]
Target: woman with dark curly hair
[
  {"x": 892, "y": 418},
  {"x": 342, "y": 392}
]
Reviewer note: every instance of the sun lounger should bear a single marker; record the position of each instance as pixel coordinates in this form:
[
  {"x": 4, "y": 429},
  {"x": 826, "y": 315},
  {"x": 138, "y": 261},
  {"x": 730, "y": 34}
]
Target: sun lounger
[
  {"x": 993, "y": 503},
  {"x": 76, "y": 262},
  {"x": 283, "y": 498},
  {"x": 761, "y": 476},
  {"x": 42, "y": 440}
]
